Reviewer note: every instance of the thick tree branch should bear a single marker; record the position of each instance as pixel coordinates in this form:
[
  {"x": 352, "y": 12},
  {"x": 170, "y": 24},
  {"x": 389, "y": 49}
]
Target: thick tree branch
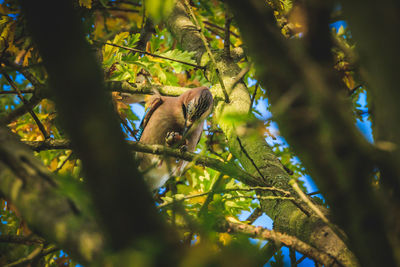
[
  {"x": 227, "y": 168},
  {"x": 111, "y": 174},
  {"x": 144, "y": 88},
  {"x": 309, "y": 229},
  {"x": 378, "y": 50},
  {"x": 234, "y": 226},
  {"x": 207, "y": 47},
  {"x": 317, "y": 122},
  {"x": 31, "y": 188}
]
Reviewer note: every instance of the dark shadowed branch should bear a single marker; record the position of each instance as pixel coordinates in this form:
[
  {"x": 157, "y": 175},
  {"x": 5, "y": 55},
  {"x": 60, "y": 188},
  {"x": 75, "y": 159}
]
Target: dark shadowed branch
[
  {"x": 111, "y": 173},
  {"x": 316, "y": 112}
]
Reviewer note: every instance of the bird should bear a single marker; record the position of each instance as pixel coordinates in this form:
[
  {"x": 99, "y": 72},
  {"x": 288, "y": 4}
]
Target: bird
[{"x": 172, "y": 121}]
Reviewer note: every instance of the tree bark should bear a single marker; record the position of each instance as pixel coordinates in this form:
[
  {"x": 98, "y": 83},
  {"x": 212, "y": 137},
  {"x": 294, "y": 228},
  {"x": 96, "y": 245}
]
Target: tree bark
[
  {"x": 31, "y": 187},
  {"x": 317, "y": 122},
  {"x": 255, "y": 155}
]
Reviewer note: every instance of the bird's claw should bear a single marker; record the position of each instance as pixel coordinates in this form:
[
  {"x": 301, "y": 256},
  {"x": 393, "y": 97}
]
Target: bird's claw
[
  {"x": 183, "y": 148},
  {"x": 173, "y": 138}
]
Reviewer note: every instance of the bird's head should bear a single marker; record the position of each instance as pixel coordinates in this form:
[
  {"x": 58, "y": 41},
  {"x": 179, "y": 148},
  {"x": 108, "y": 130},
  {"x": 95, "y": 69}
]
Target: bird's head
[{"x": 196, "y": 106}]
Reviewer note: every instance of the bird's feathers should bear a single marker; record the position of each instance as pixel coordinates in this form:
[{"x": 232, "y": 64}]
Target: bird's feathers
[
  {"x": 154, "y": 103},
  {"x": 171, "y": 114}
]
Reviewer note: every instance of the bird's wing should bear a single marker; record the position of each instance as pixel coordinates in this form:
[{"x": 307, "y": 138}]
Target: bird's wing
[{"x": 154, "y": 103}]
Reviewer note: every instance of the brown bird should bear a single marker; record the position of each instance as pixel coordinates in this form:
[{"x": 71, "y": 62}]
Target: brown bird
[{"x": 172, "y": 121}]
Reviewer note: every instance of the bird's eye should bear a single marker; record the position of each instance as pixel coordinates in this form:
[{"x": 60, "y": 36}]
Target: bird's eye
[{"x": 184, "y": 110}]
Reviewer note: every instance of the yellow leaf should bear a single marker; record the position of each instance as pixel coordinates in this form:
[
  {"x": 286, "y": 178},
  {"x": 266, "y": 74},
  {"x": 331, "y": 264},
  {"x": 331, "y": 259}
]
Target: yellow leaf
[
  {"x": 86, "y": 3},
  {"x": 349, "y": 81},
  {"x": 225, "y": 238},
  {"x": 69, "y": 165},
  {"x": 53, "y": 164},
  {"x": 19, "y": 56},
  {"x": 120, "y": 37},
  {"x": 341, "y": 30},
  {"x": 26, "y": 58}
]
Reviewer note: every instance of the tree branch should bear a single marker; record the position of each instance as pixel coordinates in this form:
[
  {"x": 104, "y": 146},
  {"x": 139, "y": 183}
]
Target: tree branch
[
  {"x": 210, "y": 54},
  {"x": 151, "y": 54},
  {"x": 21, "y": 97},
  {"x": 18, "y": 112},
  {"x": 219, "y": 28},
  {"x": 27, "y": 74},
  {"x": 254, "y": 215},
  {"x": 26, "y": 91},
  {"x": 34, "y": 254},
  {"x": 111, "y": 174},
  {"x": 342, "y": 166},
  {"x": 235, "y": 226},
  {"x": 317, "y": 233},
  {"x": 30, "y": 186},
  {"x": 227, "y": 40},
  {"x": 144, "y": 88},
  {"x": 19, "y": 239},
  {"x": 228, "y": 168}
]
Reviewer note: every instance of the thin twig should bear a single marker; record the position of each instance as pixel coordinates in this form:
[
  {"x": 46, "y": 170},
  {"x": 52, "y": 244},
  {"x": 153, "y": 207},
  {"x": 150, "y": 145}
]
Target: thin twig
[
  {"x": 262, "y": 197},
  {"x": 129, "y": 129},
  {"x": 26, "y": 91},
  {"x": 317, "y": 211},
  {"x": 353, "y": 90},
  {"x": 301, "y": 259},
  {"x": 35, "y": 118},
  {"x": 303, "y": 196},
  {"x": 35, "y": 253},
  {"x": 212, "y": 30},
  {"x": 240, "y": 76},
  {"x": 18, "y": 112},
  {"x": 250, "y": 158},
  {"x": 253, "y": 97},
  {"x": 258, "y": 188},
  {"x": 313, "y": 193},
  {"x": 151, "y": 54},
  {"x": 210, "y": 54},
  {"x": 19, "y": 239},
  {"x": 215, "y": 190},
  {"x": 63, "y": 163},
  {"x": 254, "y": 215},
  {"x": 210, "y": 195},
  {"x": 292, "y": 256},
  {"x": 118, "y": 9},
  {"x": 270, "y": 249},
  {"x": 29, "y": 76},
  {"x": 126, "y": 2},
  {"x": 219, "y": 27},
  {"x": 227, "y": 40}
]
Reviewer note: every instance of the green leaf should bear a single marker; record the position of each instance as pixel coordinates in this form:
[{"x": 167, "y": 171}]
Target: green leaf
[
  {"x": 184, "y": 56},
  {"x": 159, "y": 9}
]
